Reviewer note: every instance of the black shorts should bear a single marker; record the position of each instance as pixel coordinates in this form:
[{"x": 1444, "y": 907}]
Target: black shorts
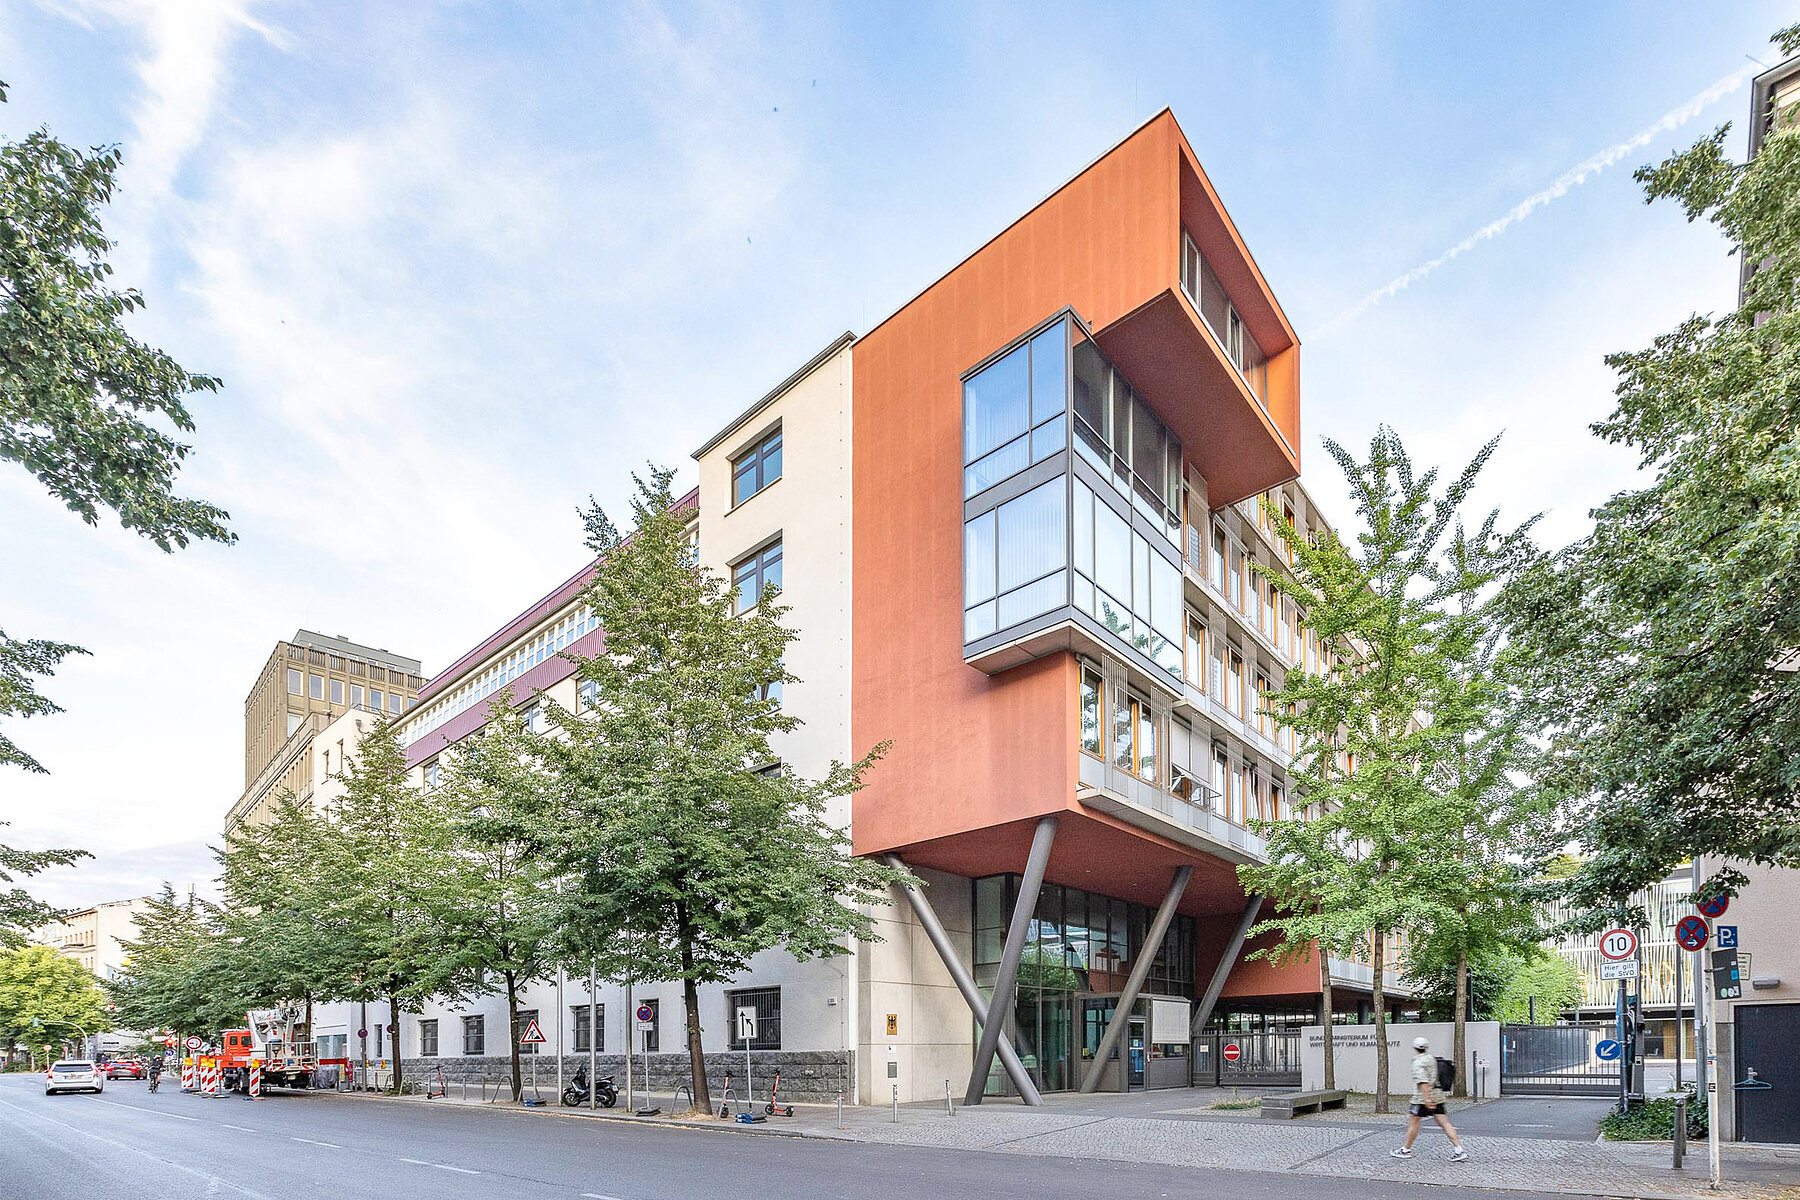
[{"x": 1419, "y": 1109}]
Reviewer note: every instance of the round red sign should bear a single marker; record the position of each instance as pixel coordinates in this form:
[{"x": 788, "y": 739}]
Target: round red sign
[{"x": 1231, "y": 1052}]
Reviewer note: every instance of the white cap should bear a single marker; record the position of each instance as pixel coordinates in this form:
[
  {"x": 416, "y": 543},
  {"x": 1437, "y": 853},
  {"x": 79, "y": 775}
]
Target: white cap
[{"x": 1420, "y": 1043}]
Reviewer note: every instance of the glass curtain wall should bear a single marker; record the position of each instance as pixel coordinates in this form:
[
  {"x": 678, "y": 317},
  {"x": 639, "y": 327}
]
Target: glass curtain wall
[{"x": 1079, "y": 945}]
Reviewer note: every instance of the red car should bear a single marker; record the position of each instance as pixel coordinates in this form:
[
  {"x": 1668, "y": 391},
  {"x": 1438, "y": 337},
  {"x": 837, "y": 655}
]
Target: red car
[{"x": 124, "y": 1068}]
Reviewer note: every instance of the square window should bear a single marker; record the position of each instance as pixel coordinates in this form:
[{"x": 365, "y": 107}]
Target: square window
[
  {"x": 756, "y": 468},
  {"x": 428, "y": 1043},
  {"x": 315, "y": 686},
  {"x": 474, "y": 1035}
]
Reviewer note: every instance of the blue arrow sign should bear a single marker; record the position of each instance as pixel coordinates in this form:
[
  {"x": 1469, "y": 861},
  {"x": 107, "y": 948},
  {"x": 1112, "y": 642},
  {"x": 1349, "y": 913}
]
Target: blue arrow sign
[
  {"x": 1727, "y": 937},
  {"x": 1608, "y": 1049}
]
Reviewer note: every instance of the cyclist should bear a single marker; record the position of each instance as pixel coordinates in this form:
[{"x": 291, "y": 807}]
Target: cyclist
[{"x": 156, "y": 1069}]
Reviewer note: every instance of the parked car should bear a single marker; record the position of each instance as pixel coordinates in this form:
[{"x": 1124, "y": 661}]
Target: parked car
[
  {"x": 124, "y": 1068},
  {"x": 74, "y": 1075}
]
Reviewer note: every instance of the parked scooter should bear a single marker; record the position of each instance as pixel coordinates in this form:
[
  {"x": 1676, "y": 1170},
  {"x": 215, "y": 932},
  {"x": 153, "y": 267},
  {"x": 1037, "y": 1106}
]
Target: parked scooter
[{"x": 576, "y": 1094}]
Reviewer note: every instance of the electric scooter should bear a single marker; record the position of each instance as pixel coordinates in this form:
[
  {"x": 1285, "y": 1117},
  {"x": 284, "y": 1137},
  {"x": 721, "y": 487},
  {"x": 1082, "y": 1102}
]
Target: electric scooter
[
  {"x": 774, "y": 1109},
  {"x": 576, "y": 1094}
]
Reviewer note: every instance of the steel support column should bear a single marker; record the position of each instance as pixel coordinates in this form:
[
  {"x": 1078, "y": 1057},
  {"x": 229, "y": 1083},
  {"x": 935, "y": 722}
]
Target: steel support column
[
  {"x": 1140, "y": 970},
  {"x": 1006, "y": 981},
  {"x": 965, "y": 983},
  {"x": 1228, "y": 960}
]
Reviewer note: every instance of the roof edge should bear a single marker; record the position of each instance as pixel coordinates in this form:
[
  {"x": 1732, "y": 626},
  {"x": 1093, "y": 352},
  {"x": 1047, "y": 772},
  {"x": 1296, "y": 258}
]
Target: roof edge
[{"x": 814, "y": 363}]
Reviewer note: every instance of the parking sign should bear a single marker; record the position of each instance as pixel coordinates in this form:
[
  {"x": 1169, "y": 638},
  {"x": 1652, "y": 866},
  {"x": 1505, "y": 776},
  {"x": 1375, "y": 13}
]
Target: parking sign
[{"x": 1727, "y": 935}]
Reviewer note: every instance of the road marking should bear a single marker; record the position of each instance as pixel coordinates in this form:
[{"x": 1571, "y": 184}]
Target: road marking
[
  {"x": 419, "y": 1162},
  {"x": 597, "y": 1196},
  {"x": 310, "y": 1142},
  {"x": 155, "y": 1112},
  {"x": 239, "y": 1128}
]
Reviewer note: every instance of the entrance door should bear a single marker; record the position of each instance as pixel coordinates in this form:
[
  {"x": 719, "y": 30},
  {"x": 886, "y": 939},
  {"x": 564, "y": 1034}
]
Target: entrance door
[
  {"x": 1768, "y": 1042},
  {"x": 1135, "y": 1049}
]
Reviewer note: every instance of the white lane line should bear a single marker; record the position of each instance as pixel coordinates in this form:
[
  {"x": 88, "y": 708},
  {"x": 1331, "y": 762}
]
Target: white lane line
[
  {"x": 419, "y": 1162},
  {"x": 597, "y": 1196},
  {"x": 155, "y": 1112},
  {"x": 213, "y": 1182},
  {"x": 310, "y": 1142},
  {"x": 239, "y": 1128}
]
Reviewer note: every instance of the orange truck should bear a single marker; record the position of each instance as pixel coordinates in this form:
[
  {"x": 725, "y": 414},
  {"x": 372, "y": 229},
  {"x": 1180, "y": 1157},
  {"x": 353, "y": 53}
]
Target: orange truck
[{"x": 280, "y": 1039}]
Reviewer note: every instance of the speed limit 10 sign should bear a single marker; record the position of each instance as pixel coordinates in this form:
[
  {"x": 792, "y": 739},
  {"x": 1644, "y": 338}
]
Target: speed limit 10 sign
[{"x": 1617, "y": 944}]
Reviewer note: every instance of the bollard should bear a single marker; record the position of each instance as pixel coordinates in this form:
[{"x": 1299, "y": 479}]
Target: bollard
[
  {"x": 949, "y": 1104},
  {"x": 1680, "y": 1138},
  {"x": 840, "y": 1123},
  {"x": 896, "y": 1104},
  {"x": 255, "y": 1092}
]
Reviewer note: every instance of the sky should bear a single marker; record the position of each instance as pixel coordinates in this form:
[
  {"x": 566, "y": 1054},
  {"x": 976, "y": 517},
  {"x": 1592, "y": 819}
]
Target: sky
[{"x": 461, "y": 267}]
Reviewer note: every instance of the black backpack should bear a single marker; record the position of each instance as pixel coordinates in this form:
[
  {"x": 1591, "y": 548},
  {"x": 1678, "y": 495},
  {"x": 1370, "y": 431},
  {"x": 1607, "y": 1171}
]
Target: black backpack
[{"x": 1446, "y": 1074}]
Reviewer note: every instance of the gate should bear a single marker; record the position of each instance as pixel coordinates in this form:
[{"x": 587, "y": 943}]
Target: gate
[
  {"x": 1251, "y": 1059},
  {"x": 1556, "y": 1060}
]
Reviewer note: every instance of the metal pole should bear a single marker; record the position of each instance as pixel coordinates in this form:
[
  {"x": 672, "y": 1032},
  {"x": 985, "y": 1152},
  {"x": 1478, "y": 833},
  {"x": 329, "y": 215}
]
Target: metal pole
[
  {"x": 559, "y": 1032},
  {"x": 1680, "y": 954},
  {"x": 940, "y": 941},
  {"x": 1712, "y": 1090},
  {"x": 1140, "y": 970},
  {"x": 593, "y": 1037},
  {"x": 630, "y": 1024},
  {"x": 1008, "y": 977}
]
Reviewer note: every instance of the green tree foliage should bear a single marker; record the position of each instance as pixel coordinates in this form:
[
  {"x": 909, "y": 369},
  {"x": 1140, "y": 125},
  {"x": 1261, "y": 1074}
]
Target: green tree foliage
[
  {"x": 1435, "y": 982},
  {"x": 688, "y": 846},
  {"x": 1511, "y": 985},
  {"x": 47, "y": 999},
  {"x": 387, "y": 844},
  {"x": 1664, "y": 643},
  {"x": 175, "y": 970},
  {"x": 1380, "y": 729},
  {"x": 1540, "y": 988},
  {"x": 492, "y": 904},
  {"x": 19, "y": 912}
]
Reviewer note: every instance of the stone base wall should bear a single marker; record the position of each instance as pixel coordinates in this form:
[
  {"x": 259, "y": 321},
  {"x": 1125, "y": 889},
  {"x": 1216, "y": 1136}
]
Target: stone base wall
[{"x": 807, "y": 1076}]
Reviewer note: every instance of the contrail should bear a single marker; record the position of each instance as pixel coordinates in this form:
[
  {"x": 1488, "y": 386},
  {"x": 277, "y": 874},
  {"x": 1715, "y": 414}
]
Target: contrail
[{"x": 1569, "y": 179}]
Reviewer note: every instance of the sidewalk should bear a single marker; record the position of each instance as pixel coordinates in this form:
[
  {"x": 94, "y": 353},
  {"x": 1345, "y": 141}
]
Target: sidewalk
[{"x": 1181, "y": 1128}]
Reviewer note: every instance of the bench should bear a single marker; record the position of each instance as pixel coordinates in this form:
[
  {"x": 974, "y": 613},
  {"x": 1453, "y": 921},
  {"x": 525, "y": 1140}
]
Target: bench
[{"x": 1289, "y": 1105}]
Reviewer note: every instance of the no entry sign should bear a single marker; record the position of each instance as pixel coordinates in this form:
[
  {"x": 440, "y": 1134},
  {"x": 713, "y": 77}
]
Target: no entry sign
[
  {"x": 1616, "y": 944},
  {"x": 1231, "y": 1052},
  {"x": 1691, "y": 932}
]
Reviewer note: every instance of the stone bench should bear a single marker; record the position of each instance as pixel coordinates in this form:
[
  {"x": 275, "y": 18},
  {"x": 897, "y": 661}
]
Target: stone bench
[{"x": 1289, "y": 1105}]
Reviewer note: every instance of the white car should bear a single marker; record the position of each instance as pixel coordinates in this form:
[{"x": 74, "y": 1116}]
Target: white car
[{"x": 74, "y": 1075}]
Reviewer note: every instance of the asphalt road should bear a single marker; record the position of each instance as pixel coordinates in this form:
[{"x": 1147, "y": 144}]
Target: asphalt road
[{"x": 130, "y": 1145}]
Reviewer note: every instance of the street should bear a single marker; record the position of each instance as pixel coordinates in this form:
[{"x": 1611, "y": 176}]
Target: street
[{"x": 130, "y": 1145}]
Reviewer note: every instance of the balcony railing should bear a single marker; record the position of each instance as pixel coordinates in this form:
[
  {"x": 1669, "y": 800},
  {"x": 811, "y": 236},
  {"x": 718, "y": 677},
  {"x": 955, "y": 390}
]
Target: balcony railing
[{"x": 1190, "y": 814}]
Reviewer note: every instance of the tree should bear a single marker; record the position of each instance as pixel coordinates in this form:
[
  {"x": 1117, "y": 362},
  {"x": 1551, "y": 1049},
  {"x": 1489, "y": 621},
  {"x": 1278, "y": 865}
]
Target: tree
[
  {"x": 84, "y": 406},
  {"x": 1472, "y": 982},
  {"x": 174, "y": 973},
  {"x": 1663, "y": 643},
  {"x": 688, "y": 846},
  {"x": 46, "y": 998},
  {"x": 19, "y": 912},
  {"x": 1363, "y": 859},
  {"x": 387, "y": 843},
  {"x": 1541, "y": 987},
  {"x": 492, "y": 903}
]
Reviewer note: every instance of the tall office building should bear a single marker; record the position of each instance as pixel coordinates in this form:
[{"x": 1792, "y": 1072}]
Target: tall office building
[{"x": 1017, "y": 526}]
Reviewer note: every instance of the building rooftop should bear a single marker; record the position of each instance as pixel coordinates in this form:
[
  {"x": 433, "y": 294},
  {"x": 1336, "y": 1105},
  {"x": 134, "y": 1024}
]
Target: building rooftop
[{"x": 344, "y": 646}]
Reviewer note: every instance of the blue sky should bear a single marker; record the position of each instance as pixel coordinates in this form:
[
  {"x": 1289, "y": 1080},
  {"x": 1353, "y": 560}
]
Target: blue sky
[{"x": 461, "y": 267}]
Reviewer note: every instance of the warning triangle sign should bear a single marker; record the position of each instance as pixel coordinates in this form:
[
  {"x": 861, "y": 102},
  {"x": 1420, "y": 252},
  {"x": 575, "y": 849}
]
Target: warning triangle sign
[{"x": 533, "y": 1035}]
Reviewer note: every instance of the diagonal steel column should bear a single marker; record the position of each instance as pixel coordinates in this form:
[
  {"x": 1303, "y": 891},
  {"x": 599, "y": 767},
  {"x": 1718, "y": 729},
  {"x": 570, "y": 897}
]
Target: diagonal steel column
[
  {"x": 1222, "y": 972},
  {"x": 1140, "y": 970},
  {"x": 940, "y": 941},
  {"x": 1006, "y": 981}
]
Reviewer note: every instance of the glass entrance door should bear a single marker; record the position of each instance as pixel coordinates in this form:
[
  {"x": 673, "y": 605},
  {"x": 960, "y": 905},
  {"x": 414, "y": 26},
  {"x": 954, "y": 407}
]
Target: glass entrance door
[{"x": 1136, "y": 1048}]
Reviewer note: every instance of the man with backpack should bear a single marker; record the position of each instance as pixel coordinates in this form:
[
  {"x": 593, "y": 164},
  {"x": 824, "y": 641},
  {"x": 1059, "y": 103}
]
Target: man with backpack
[{"x": 1428, "y": 1100}]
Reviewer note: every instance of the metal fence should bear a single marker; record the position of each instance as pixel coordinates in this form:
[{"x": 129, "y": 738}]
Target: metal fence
[
  {"x": 1259, "y": 1059},
  {"x": 1555, "y": 1060}
]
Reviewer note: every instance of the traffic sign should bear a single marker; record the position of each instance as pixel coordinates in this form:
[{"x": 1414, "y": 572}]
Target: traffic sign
[
  {"x": 1728, "y": 984},
  {"x": 1715, "y": 906},
  {"x": 1608, "y": 1049},
  {"x": 1691, "y": 932},
  {"x": 1231, "y": 1052},
  {"x": 1613, "y": 971},
  {"x": 533, "y": 1035},
  {"x": 1616, "y": 944},
  {"x": 746, "y": 1024},
  {"x": 646, "y": 1016},
  {"x": 193, "y": 1042},
  {"x": 363, "y": 1032},
  {"x": 1727, "y": 937}
]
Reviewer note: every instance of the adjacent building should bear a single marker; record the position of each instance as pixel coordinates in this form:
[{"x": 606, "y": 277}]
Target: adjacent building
[{"x": 95, "y": 937}]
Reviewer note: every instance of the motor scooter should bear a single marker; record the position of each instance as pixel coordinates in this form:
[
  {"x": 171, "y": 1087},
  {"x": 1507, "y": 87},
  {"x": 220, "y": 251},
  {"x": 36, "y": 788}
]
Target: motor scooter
[{"x": 576, "y": 1093}]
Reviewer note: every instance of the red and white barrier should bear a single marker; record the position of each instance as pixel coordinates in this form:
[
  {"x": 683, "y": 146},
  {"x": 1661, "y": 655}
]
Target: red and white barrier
[
  {"x": 189, "y": 1081},
  {"x": 255, "y": 1080},
  {"x": 209, "y": 1081}
]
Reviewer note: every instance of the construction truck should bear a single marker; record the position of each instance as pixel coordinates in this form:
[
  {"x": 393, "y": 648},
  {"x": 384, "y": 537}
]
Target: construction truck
[{"x": 278, "y": 1038}]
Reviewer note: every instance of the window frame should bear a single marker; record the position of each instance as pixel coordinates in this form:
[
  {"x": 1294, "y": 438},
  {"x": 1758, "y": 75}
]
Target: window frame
[
  {"x": 760, "y": 558},
  {"x": 762, "y": 1040},
  {"x": 1093, "y": 675},
  {"x": 428, "y": 1037},
  {"x": 474, "y": 1035},
  {"x": 754, "y": 459}
]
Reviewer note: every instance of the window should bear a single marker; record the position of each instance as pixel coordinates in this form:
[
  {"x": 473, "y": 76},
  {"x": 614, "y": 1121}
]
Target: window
[
  {"x": 1135, "y": 728},
  {"x": 1117, "y": 432},
  {"x": 328, "y": 764},
  {"x": 1013, "y": 561},
  {"x": 1216, "y": 568},
  {"x": 375, "y": 699},
  {"x": 1126, "y": 582},
  {"x": 337, "y": 691},
  {"x": 767, "y": 1003},
  {"x": 1264, "y": 722},
  {"x": 751, "y": 575},
  {"x": 587, "y": 694},
  {"x": 315, "y": 686},
  {"x": 756, "y": 468},
  {"x": 293, "y": 722},
  {"x": 427, "y": 1039},
  {"x": 1014, "y": 410},
  {"x": 1234, "y": 685},
  {"x": 526, "y": 1017},
  {"x": 433, "y": 773},
  {"x": 535, "y": 718},
  {"x": 1090, "y": 711},
  {"x": 1195, "y": 661},
  {"x": 396, "y": 703},
  {"x": 356, "y": 695},
  {"x": 584, "y": 1029},
  {"x": 1278, "y": 809},
  {"x": 1234, "y": 578},
  {"x": 1221, "y": 778},
  {"x": 293, "y": 682},
  {"x": 1235, "y": 814},
  {"x": 474, "y": 1035}
]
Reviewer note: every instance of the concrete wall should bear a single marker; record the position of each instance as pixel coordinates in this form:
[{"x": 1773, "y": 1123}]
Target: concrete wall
[
  {"x": 1354, "y": 1053},
  {"x": 902, "y": 975}
]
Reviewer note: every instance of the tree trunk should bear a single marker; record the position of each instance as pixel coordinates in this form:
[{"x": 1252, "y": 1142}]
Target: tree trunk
[
  {"x": 394, "y": 1038},
  {"x": 512, "y": 1023},
  {"x": 1459, "y": 1042},
  {"x": 1325, "y": 1014},
  {"x": 690, "y": 995},
  {"x": 1381, "y": 1046}
]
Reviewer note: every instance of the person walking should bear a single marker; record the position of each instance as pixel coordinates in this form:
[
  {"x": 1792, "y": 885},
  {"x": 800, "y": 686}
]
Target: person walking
[{"x": 1427, "y": 1103}]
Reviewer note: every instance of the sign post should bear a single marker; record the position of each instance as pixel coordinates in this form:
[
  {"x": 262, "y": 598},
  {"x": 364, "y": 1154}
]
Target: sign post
[
  {"x": 533, "y": 1036},
  {"x": 646, "y": 1020},
  {"x": 1616, "y": 946},
  {"x": 746, "y": 1029}
]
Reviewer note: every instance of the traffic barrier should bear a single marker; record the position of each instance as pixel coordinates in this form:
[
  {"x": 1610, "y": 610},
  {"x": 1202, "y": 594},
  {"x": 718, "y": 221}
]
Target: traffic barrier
[
  {"x": 188, "y": 1079},
  {"x": 255, "y": 1080},
  {"x": 211, "y": 1082}
]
